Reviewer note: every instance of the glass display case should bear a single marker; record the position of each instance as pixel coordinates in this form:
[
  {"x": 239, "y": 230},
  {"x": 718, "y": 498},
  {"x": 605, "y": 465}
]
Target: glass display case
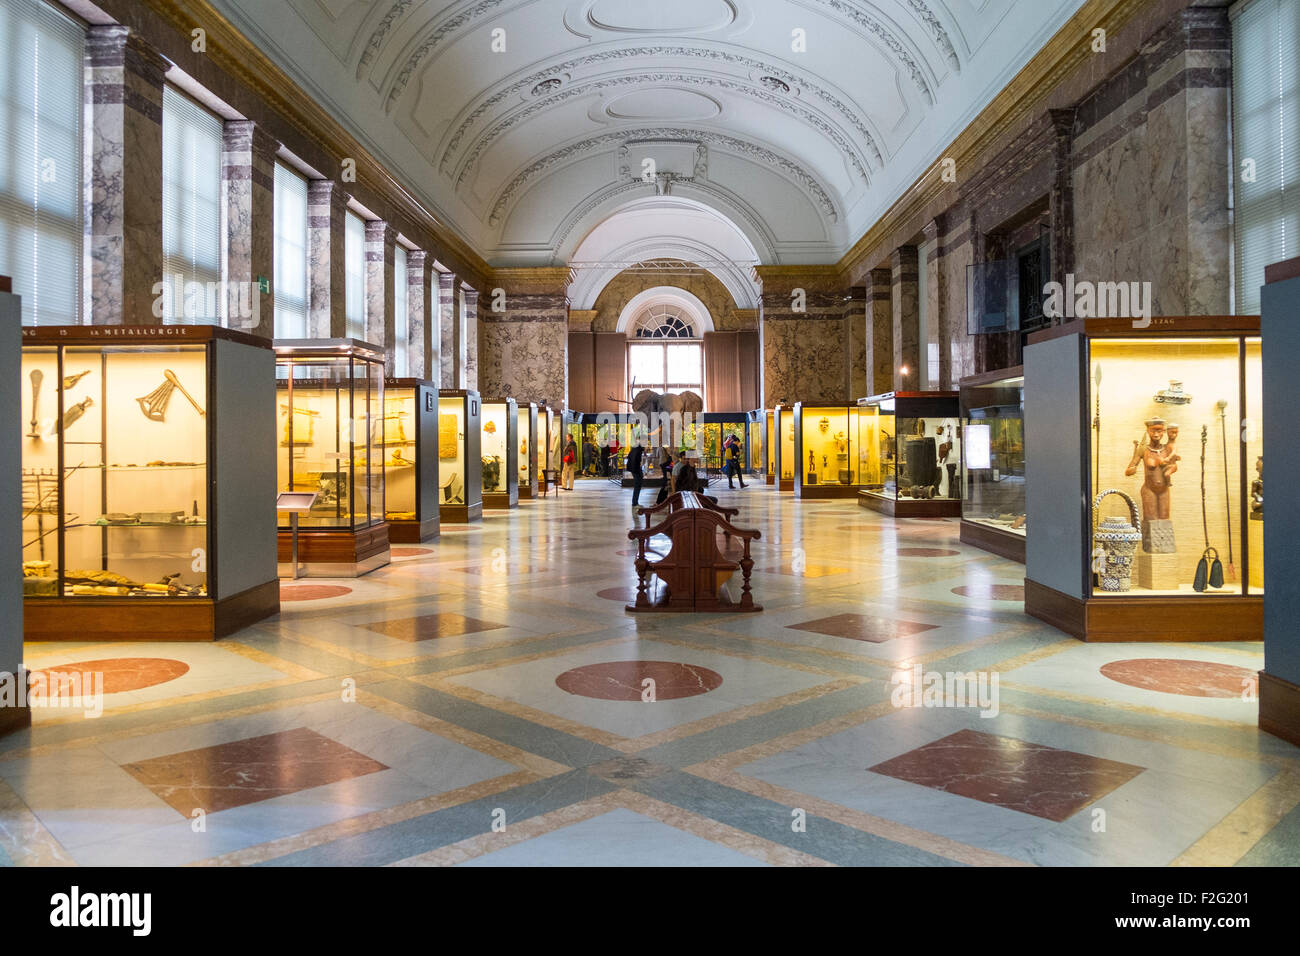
[
  {"x": 715, "y": 427},
  {"x": 785, "y": 462},
  {"x": 138, "y": 515},
  {"x": 330, "y": 406},
  {"x": 1159, "y": 434},
  {"x": 460, "y": 463},
  {"x": 500, "y": 453},
  {"x": 910, "y": 454},
  {"x": 993, "y": 462},
  {"x": 825, "y": 439},
  {"x": 769, "y": 447},
  {"x": 756, "y": 447},
  {"x": 411, "y": 487},
  {"x": 530, "y": 452},
  {"x": 551, "y": 437}
]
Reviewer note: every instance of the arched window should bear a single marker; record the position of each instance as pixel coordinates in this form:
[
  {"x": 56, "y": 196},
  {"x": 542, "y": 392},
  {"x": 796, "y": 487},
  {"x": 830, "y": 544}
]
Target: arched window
[{"x": 663, "y": 321}]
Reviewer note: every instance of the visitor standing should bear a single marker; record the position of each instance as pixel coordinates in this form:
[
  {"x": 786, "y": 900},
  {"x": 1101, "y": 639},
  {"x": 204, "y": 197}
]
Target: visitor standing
[
  {"x": 731, "y": 461},
  {"x": 633, "y": 465},
  {"x": 570, "y": 458}
]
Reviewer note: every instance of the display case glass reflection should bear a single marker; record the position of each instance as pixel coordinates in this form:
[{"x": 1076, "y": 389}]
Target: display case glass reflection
[
  {"x": 400, "y": 418},
  {"x": 823, "y": 453},
  {"x": 332, "y": 431},
  {"x": 910, "y": 451},
  {"x": 1172, "y": 444},
  {"x": 993, "y": 457},
  {"x": 785, "y": 458}
]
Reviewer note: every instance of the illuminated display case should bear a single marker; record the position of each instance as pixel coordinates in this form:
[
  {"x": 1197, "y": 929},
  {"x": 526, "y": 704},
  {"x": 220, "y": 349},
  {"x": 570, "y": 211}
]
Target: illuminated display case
[
  {"x": 500, "y": 453},
  {"x": 460, "y": 464},
  {"x": 330, "y": 408},
  {"x": 825, "y": 451},
  {"x": 1157, "y": 434},
  {"x": 531, "y": 454},
  {"x": 594, "y": 431},
  {"x": 910, "y": 454},
  {"x": 551, "y": 437},
  {"x": 785, "y": 462},
  {"x": 715, "y": 427},
  {"x": 769, "y": 447},
  {"x": 140, "y": 515},
  {"x": 993, "y": 460},
  {"x": 411, "y": 487},
  {"x": 756, "y": 447}
]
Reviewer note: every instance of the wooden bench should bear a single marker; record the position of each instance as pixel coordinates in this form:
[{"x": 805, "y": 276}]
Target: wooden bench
[{"x": 694, "y": 570}]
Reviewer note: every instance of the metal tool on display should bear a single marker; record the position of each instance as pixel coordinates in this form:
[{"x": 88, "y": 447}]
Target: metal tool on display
[
  {"x": 71, "y": 380},
  {"x": 154, "y": 405},
  {"x": 1209, "y": 570},
  {"x": 36, "y": 377},
  {"x": 71, "y": 415}
]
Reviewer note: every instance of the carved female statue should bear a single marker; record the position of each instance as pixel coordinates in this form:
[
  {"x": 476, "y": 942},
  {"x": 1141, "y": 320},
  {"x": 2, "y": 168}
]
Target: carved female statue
[{"x": 1157, "y": 529}]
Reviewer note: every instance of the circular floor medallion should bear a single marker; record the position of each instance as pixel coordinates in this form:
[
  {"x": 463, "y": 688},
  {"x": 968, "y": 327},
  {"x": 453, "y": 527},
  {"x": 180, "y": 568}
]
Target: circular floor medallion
[
  {"x": 623, "y": 680},
  {"x": 926, "y": 552},
  {"x": 626, "y": 595},
  {"x": 311, "y": 592},
  {"x": 1182, "y": 677},
  {"x": 410, "y": 552},
  {"x": 991, "y": 592},
  {"x": 120, "y": 674}
]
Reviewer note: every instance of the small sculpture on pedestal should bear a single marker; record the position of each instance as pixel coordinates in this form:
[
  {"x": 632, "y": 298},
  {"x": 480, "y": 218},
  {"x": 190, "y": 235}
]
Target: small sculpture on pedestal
[
  {"x": 1257, "y": 491},
  {"x": 1153, "y": 454}
]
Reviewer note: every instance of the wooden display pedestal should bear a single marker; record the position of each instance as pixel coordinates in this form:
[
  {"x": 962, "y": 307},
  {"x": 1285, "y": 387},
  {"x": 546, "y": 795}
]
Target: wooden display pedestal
[
  {"x": 910, "y": 507},
  {"x": 769, "y": 479},
  {"x": 1142, "y": 619},
  {"x": 401, "y": 531},
  {"x": 1005, "y": 544},
  {"x": 499, "y": 499},
  {"x": 1279, "y": 707},
  {"x": 335, "y": 552},
  {"x": 462, "y": 514},
  {"x": 147, "y": 619}
]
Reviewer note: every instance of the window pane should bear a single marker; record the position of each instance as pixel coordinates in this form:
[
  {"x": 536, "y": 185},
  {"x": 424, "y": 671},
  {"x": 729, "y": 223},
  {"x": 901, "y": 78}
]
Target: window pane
[
  {"x": 354, "y": 258},
  {"x": 684, "y": 364},
  {"x": 401, "y": 324},
  {"x": 40, "y": 160},
  {"x": 290, "y": 254},
  {"x": 645, "y": 366},
  {"x": 191, "y": 211}
]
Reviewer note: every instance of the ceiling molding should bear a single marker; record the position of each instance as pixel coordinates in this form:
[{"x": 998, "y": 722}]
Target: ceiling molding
[
  {"x": 793, "y": 171},
  {"x": 937, "y": 32},
  {"x": 1029, "y": 90},
  {"x": 876, "y": 26},
  {"x": 786, "y": 103}
]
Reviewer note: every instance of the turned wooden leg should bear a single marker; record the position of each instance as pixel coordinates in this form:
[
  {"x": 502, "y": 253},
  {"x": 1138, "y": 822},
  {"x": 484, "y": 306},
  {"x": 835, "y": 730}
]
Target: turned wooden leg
[
  {"x": 746, "y": 566},
  {"x": 642, "y": 565}
]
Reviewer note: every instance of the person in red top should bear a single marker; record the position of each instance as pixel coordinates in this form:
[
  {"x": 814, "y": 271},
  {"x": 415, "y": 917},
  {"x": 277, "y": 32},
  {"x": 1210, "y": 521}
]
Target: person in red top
[{"x": 569, "y": 458}]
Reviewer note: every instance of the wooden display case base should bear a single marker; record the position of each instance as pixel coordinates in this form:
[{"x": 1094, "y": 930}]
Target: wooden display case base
[
  {"x": 1140, "y": 619},
  {"x": 493, "y": 499},
  {"x": 405, "y": 531},
  {"x": 14, "y": 717},
  {"x": 769, "y": 479},
  {"x": 335, "y": 552},
  {"x": 785, "y": 484},
  {"x": 910, "y": 507},
  {"x": 1006, "y": 544},
  {"x": 826, "y": 491},
  {"x": 1279, "y": 707},
  {"x": 461, "y": 514},
  {"x": 147, "y": 619},
  {"x": 528, "y": 491}
]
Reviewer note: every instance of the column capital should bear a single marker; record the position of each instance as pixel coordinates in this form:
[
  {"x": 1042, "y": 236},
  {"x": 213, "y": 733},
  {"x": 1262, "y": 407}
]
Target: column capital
[
  {"x": 416, "y": 259},
  {"x": 116, "y": 45},
  {"x": 241, "y": 135},
  {"x": 380, "y": 230},
  {"x": 326, "y": 191},
  {"x": 1062, "y": 121}
]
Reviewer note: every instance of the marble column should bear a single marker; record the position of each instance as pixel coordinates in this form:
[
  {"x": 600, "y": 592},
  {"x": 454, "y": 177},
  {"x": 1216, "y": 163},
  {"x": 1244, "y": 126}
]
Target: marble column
[
  {"x": 880, "y": 338},
  {"x": 1061, "y": 197},
  {"x": 124, "y": 88},
  {"x": 471, "y": 327},
  {"x": 523, "y": 351},
  {"x": 449, "y": 336},
  {"x": 327, "y": 315},
  {"x": 857, "y": 336},
  {"x": 939, "y": 318},
  {"x": 248, "y": 174},
  {"x": 380, "y": 310},
  {"x": 905, "y": 301},
  {"x": 424, "y": 331},
  {"x": 803, "y": 335}
]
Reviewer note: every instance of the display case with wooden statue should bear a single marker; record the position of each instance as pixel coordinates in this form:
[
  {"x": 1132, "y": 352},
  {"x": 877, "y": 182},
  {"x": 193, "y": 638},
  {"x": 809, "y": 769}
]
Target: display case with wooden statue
[
  {"x": 500, "y": 447},
  {"x": 910, "y": 451},
  {"x": 140, "y": 516},
  {"x": 530, "y": 462},
  {"x": 460, "y": 464},
  {"x": 784, "y": 461},
  {"x": 1143, "y": 480},
  {"x": 825, "y": 445},
  {"x": 411, "y": 488}
]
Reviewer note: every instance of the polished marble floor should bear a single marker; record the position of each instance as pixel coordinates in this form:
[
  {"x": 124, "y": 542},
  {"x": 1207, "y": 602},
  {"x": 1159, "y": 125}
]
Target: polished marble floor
[{"x": 486, "y": 700}]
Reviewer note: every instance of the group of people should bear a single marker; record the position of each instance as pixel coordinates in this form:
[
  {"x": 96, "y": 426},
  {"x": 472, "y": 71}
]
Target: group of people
[{"x": 679, "y": 475}]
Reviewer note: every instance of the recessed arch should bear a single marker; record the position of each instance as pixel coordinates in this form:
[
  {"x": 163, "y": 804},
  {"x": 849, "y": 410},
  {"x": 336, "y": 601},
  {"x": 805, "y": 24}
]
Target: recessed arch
[{"x": 670, "y": 295}]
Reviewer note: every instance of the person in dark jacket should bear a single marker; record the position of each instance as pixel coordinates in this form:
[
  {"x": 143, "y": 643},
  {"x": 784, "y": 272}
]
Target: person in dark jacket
[
  {"x": 732, "y": 462},
  {"x": 633, "y": 465}
]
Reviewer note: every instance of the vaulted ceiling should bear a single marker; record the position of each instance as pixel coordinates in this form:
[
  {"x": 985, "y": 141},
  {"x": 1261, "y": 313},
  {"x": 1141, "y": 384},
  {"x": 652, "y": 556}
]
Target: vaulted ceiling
[{"x": 524, "y": 124}]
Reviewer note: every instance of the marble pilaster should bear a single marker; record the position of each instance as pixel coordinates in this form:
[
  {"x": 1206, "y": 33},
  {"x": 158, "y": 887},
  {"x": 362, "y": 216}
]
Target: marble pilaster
[
  {"x": 327, "y": 277},
  {"x": 905, "y": 302},
  {"x": 940, "y": 320},
  {"x": 471, "y": 327},
  {"x": 880, "y": 337},
  {"x": 380, "y": 311},
  {"x": 1061, "y": 197},
  {"x": 523, "y": 352},
  {"x": 857, "y": 337},
  {"x": 124, "y": 88},
  {"x": 248, "y": 174},
  {"x": 421, "y": 318},
  {"x": 804, "y": 351},
  {"x": 449, "y": 336}
]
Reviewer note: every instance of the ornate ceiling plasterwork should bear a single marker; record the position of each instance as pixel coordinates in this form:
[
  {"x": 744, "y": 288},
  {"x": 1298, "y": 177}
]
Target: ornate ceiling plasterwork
[{"x": 792, "y": 169}]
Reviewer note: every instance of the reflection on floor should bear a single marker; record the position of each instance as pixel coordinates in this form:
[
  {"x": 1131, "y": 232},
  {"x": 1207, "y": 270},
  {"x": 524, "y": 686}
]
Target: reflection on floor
[{"x": 486, "y": 700}]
